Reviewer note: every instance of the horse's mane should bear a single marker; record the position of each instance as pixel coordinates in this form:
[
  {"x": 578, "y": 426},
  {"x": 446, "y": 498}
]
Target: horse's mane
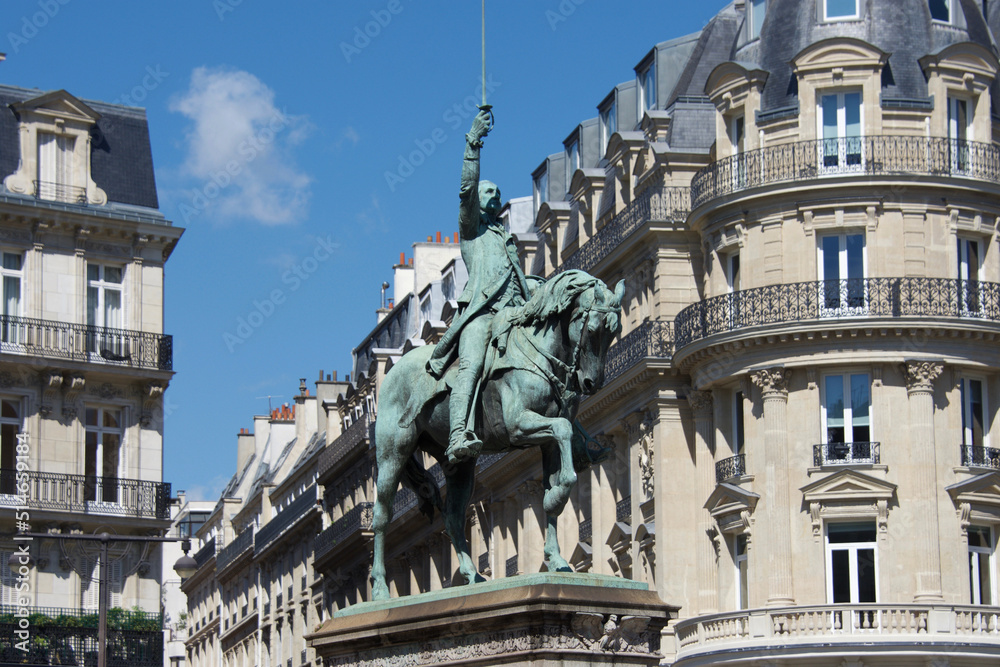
[{"x": 553, "y": 297}]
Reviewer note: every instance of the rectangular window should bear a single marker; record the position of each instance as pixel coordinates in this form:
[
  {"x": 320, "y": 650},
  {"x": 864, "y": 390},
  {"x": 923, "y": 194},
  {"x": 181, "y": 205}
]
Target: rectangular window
[
  {"x": 572, "y": 161},
  {"x": 851, "y": 564},
  {"x": 11, "y": 275},
  {"x": 104, "y": 312},
  {"x": 732, "y": 271},
  {"x": 647, "y": 88},
  {"x": 846, "y": 411},
  {"x": 737, "y": 138},
  {"x": 742, "y": 579},
  {"x": 941, "y": 10},
  {"x": 973, "y": 397},
  {"x": 8, "y": 580},
  {"x": 839, "y": 118},
  {"x": 959, "y": 131},
  {"x": 10, "y": 426},
  {"x": 755, "y": 21},
  {"x": 738, "y": 427},
  {"x": 970, "y": 264},
  {"x": 541, "y": 189},
  {"x": 842, "y": 268},
  {"x": 90, "y": 585},
  {"x": 836, "y": 10},
  {"x": 609, "y": 122},
  {"x": 981, "y": 579},
  {"x": 103, "y": 439},
  {"x": 55, "y": 174}
]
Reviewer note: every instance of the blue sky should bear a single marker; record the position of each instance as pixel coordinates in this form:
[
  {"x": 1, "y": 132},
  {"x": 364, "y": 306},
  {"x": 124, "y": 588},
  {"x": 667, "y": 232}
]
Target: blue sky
[{"x": 273, "y": 126}]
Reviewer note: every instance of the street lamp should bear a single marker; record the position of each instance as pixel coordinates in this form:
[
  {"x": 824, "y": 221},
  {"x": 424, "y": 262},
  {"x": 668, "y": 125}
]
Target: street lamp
[{"x": 185, "y": 567}]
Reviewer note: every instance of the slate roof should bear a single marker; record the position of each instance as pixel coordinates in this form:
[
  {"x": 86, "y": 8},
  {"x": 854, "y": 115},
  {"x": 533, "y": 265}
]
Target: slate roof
[{"x": 121, "y": 160}]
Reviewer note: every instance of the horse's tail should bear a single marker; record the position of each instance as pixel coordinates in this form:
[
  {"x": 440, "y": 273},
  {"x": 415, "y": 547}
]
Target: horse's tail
[{"x": 424, "y": 485}]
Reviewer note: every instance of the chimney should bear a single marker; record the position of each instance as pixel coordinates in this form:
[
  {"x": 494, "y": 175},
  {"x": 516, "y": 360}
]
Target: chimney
[
  {"x": 261, "y": 433},
  {"x": 244, "y": 449},
  {"x": 305, "y": 413},
  {"x": 439, "y": 237}
]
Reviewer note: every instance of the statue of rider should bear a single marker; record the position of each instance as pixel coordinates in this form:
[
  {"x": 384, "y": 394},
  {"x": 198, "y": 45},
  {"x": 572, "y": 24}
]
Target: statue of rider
[{"x": 495, "y": 282}]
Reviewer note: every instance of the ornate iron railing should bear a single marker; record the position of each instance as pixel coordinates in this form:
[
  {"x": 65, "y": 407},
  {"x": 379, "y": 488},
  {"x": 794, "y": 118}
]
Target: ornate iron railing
[
  {"x": 233, "y": 550},
  {"x": 118, "y": 618},
  {"x": 586, "y": 530},
  {"x": 657, "y": 203},
  {"x": 980, "y": 457},
  {"x": 82, "y": 342},
  {"x": 205, "y": 554},
  {"x": 484, "y": 561},
  {"x": 731, "y": 468},
  {"x": 60, "y": 645},
  {"x": 623, "y": 510},
  {"x": 846, "y": 453},
  {"x": 836, "y": 299},
  {"x": 345, "y": 443},
  {"x": 652, "y": 338},
  {"x": 53, "y": 191},
  {"x": 356, "y": 519},
  {"x": 285, "y": 518},
  {"x": 848, "y": 156},
  {"x": 85, "y": 494},
  {"x": 510, "y": 568}
]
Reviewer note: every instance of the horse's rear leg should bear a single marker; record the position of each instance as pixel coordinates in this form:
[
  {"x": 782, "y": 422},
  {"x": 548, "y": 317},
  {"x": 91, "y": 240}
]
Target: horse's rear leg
[
  {"x": 554, "y": 502},
  {"x": 392, "y": 450},
  {"x": 461, "y": 478}
]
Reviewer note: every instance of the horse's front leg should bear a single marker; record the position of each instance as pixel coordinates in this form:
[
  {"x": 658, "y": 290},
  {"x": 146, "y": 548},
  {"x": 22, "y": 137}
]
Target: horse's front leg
[
  {"x": 460, "y": 479},
  {"x": 555, "y": 436}
]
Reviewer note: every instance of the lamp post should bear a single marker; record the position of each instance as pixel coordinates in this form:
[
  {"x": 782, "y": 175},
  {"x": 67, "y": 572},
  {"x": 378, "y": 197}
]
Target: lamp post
[{"x": 185, "y": 567}]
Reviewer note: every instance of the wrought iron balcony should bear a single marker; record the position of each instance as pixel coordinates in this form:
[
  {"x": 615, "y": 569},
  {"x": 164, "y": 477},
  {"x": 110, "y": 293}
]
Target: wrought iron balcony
[
  {"x": 484, "y": 561},
  {"x": 85, "y": 494},
  {"x": 61, "y": 192},
  {"x": 847, "y": 156},
  {"x": 731, "y": 468},
  {"x": 510, "y": 568},
  {"x": 980, "y": 457},
  {"x": 586, "y": 530},
  {"x": 285, "y": 518},
  {"x": 51, "y": 339},
  {"x": 205, "y": 554},
  {"x": 233, "y": 550},
  {"x": 623, "y": 510},
  {"x": 356, "y": 434},
  {"x": 652, "y": 338},
  {"x": 658, "y": 203},
  {"x": 839, "y": 299},
  {"x": 846, "y": 453},
  {"x": 356, "y": 520}
]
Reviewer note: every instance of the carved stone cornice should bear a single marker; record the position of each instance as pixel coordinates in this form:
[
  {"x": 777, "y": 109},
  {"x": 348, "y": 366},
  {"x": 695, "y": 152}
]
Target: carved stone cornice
[
  {"x": 773, "y": 382},
  {"x": 51, "y": 383},
  {"x": 72, "y": 386},
  {"x": 920, "y": 375},
  {"x": 700, "y": 402},
  {"x": 152, "y": 395}
]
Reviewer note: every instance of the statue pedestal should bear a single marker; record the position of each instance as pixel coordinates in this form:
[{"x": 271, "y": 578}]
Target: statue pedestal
[{"x": 564, "y": 619}]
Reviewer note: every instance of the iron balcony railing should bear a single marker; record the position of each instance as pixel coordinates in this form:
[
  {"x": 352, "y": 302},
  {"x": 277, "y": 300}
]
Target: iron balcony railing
[
  {"x": 205, "y": 554},
  {"x": 355, "y": 520},
  {"x": 846, "y": 156},
  {"x": 82, "y": 342},
  {"x": 344, "y": 444},
  {"x": 656, "y": 203},
  {"x": 62, "y": 645},
  {"x": 623, "y": 510},
  {"x": 85, "y": 494},
  {"x": 61, "y": 192},
  {"x": 731, "y": 468},
  {"x": 846, "y": 453},
  {"x": 484, "y": 561},
  {"x": 975, "y": 456},
  {"x": 510, "y": 568},
  {"x": 652, "y": 338},
  {"x": 586, "y": 530},
  {"x": 837, "y": 299},
  {"x": 233, "y": 550},
  {"x": 285, "y": 518}
]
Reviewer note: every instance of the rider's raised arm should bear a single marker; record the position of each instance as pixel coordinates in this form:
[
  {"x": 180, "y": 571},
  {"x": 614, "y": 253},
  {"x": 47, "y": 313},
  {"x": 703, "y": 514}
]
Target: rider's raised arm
[{"x": 468, "y": 212}]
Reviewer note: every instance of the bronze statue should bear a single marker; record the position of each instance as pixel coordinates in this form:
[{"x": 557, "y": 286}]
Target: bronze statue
[{"x": 538, "y": 357}]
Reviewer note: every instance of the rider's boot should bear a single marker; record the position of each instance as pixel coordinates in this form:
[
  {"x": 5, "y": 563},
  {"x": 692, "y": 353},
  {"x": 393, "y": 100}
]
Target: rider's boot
[{"x": 462, "y": 442}]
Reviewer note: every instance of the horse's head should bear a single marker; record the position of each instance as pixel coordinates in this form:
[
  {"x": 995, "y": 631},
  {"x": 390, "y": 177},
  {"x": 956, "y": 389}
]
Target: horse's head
[{"x": 596, "y": 321}]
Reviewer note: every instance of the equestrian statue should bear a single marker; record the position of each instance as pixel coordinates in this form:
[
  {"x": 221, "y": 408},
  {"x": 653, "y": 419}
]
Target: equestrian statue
[{"x": 508, "y": 374}]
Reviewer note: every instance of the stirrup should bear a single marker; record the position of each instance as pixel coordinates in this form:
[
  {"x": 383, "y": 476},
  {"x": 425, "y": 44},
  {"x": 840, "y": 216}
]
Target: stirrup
[{"x": 464, "y": 449}]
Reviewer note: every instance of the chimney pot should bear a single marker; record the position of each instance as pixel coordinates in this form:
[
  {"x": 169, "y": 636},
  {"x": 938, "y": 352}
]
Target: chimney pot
[
  {"x": 439, "y": 237},
  {"x": 402, "y": 258}
]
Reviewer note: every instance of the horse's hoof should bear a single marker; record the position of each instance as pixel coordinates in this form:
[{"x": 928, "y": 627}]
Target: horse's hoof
[{"x": 380, "y": 592}]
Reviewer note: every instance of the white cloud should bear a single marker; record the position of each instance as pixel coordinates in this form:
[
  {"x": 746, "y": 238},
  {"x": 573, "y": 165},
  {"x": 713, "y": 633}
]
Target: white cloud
[{"x": 239, "y": 153}]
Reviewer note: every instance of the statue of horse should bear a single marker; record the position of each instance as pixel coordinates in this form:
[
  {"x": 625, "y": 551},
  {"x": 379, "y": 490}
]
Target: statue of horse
[{"x": 542, "y": 357}]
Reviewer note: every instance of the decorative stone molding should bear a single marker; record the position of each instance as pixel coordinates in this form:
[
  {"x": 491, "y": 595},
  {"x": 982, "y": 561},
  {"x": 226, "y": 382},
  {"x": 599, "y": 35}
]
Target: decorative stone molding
[
  {"x": 106, "y": 391},
  {"x": 647, "y": 466},
  {"x": 773, "y": 382},
  {"x": 848, "y": 494},
  {"x": 51, "y": 384},
  {"x": 72, "y": 386},
  {"x": 700, "y": 402},
  {"x": 920, "y": 375},
  {"x": 152, "y": 397}
]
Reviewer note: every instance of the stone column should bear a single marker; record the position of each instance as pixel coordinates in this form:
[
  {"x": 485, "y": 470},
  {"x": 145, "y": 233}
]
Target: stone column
[
  {"x": 773, "y": 383},
  {"x": 920, "y": 376},
  {"x": 515, "y": 536},
  {"x": 602, "y": 508},
  {"x": 708, "y": 566},
  {"x": 498, "y": 544},
  {"x": 532, "y": 552}
]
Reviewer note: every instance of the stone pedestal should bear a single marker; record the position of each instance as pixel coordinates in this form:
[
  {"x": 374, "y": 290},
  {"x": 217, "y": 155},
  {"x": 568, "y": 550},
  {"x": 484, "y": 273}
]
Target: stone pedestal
[{"x": 537, "y": 619}]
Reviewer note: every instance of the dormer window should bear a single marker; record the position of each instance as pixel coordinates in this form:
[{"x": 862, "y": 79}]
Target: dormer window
[
  {"x": 609, "y": 121},
  {"x": 940, "y": 10},
  {"x": 541, "y": 188},
  {"x": 647, "y": 87},
  {"x": 839, "y": 10},
  {"x": 755, "y": 20},
  {"x": 55, "y": 169},
  {"x": 572, "y": 160}
]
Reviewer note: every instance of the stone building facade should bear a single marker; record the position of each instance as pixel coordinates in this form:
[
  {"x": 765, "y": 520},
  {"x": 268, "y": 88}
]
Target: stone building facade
[{"x": 84, "y": 361}]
